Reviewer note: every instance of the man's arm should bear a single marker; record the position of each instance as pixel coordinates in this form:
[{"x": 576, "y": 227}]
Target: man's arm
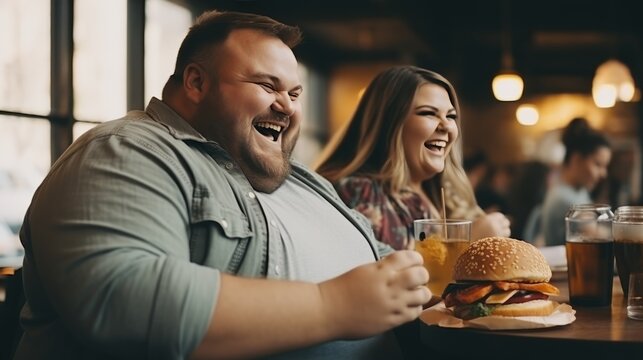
[{"x": 255, "y": 317}]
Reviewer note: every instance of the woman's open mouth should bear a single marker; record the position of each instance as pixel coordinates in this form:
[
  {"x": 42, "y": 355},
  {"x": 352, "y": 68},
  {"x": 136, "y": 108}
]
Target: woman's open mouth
[{"x": 436, "y": 145}]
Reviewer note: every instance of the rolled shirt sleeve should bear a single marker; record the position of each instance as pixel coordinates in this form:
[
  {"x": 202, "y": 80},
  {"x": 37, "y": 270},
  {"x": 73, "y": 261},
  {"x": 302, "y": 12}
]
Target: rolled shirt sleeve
[{"x": 109, "y": 249}]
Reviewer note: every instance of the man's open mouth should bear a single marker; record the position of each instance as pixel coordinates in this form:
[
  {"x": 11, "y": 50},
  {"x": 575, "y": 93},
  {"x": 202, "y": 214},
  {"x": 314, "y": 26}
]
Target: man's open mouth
[{"x": 269, "y": 130}]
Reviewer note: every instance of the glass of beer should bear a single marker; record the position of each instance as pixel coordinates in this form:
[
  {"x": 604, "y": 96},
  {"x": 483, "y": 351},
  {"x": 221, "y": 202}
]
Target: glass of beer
[
  {"x": 440, "y": 242},
  {"x": 628, "y": 242},
  {"x": 590, "y": 254}
]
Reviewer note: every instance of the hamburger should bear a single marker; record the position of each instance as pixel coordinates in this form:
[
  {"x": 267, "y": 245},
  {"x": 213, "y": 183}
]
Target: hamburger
[{"x": 500, "y": 276}]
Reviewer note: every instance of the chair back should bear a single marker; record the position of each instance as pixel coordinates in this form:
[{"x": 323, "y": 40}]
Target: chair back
[{"x": 10, "y": 329}]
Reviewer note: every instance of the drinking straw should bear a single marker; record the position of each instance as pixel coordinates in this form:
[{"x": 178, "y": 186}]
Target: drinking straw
[{"x": 444, "y": 213}]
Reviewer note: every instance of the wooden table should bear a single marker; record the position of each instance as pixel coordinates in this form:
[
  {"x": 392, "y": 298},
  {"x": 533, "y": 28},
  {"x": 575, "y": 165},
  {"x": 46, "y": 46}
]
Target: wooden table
[{"x": 598, "y": 332}]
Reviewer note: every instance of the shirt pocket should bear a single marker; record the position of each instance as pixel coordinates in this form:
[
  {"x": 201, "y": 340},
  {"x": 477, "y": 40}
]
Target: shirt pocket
[{"x": 219, "y": 235}]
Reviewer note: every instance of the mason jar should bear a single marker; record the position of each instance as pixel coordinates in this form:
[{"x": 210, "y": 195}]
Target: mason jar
[{"x": 628, "y": 242}]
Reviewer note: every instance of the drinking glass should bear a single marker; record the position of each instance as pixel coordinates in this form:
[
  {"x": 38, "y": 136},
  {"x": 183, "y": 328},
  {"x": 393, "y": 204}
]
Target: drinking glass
[
  {"x": 627, "y": 229},
  {"x": 590, "y": 254},
  {"x": 441, "y": 242}
]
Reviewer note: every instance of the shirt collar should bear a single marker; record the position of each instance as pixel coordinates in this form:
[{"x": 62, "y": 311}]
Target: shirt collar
[{"x": 176, "y": 125}]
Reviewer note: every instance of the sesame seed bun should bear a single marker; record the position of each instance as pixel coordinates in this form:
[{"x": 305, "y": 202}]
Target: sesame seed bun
[{"x": 501, "y": 259}]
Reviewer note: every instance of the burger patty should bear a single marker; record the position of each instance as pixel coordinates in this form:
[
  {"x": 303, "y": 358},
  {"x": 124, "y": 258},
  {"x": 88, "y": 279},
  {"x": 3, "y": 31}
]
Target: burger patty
[{"x": 468, "y": 293}]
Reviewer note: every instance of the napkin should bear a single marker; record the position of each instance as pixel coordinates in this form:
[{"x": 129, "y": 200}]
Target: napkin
[
  {"x": 439, "y": 315},
  {"x": 555, "y": 256}
]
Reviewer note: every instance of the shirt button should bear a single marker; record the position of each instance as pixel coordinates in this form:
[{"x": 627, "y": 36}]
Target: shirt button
[
  {"x": 229, "y": 165},
  {"x": 277, "y": 269},
  {"x": 273, "y": 223},
  {"x": 224, "y": 224},
  {"x": 252, "y": 195}
]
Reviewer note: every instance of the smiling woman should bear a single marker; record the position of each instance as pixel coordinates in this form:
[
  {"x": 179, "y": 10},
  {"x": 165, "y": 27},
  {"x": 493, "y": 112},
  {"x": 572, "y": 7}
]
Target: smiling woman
[{"x": 399, "y": 150}]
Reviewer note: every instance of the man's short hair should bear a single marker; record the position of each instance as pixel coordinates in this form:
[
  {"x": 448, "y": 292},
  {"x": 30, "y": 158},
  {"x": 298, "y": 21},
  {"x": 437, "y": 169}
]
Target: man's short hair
[{"x": 213, "y": 27}]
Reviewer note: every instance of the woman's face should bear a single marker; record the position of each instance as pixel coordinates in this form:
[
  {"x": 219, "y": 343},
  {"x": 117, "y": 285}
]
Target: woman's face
[
  {"x": 594, "y": 167},
  {"x": 429, "y": 132}
]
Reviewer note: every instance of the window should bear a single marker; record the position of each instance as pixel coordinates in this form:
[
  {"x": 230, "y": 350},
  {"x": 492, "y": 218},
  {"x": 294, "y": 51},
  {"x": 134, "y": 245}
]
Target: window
[
  {"x": 36, "y": 119},
  {"x": 166, "y": 24},
  {"x": 100, "y": 39},
  {"x": 24, "y": 105},
  {"x": 24, "y": 59}
]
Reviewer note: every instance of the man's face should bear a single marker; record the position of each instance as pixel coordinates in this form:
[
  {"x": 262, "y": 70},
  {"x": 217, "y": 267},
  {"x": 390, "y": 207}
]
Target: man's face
[{"x": 252, "y": 108}]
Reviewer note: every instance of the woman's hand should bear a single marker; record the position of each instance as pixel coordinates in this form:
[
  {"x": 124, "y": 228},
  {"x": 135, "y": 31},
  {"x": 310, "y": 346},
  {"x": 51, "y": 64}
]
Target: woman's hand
[{"x": 492, "y": 224}]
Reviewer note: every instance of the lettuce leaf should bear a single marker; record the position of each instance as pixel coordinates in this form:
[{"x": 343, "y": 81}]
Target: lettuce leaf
[{"x": 472, "y": 311}]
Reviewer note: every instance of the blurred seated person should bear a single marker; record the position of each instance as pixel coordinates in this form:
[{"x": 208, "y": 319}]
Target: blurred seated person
[
  {"x": 397, "y": 152},
  {"x": 476, "y": 167},
  {"x": 526, "y": 195},
  {"x": 186, "y": 231},
  {"x": 489, "y": 182},
  {"x": 616, "y": 188},
  {"x": 587, "y": 156}
]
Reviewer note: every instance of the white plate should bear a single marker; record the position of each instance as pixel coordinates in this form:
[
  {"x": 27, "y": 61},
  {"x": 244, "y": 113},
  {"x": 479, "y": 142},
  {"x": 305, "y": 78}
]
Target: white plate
[{"x": 443, "y": 317}]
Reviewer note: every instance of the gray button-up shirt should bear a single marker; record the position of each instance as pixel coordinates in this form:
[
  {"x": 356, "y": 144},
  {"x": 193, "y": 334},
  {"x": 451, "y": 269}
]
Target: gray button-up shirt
[{"x": 126, "y": 236}]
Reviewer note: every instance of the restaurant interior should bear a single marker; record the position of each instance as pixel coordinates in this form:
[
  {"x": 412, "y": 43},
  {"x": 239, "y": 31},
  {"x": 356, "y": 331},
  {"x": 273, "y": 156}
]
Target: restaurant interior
[{"x": 67, "y": 65}]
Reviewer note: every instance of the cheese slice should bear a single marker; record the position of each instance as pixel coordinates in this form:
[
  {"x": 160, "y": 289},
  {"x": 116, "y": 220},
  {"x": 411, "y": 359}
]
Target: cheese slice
[{"x": 501, "y": 297}]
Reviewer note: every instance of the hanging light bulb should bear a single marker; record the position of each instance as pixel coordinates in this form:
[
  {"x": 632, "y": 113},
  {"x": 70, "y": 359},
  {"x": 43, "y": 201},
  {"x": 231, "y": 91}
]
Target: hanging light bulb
[
  {"x": 612, "y": 82},
  {"x": 527, "y": 114},
  {"x": 604, "y": 95},
  {"x": 507, "y": 85}
]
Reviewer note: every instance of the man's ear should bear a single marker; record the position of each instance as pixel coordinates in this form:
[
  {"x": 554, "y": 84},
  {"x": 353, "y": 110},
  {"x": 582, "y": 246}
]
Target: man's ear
[{"x": 196, "y": 82}]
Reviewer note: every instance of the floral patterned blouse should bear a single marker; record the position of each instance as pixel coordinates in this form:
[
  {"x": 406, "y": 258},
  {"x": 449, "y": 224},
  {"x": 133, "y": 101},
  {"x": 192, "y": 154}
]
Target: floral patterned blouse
[{"x": 392, "y": 217}]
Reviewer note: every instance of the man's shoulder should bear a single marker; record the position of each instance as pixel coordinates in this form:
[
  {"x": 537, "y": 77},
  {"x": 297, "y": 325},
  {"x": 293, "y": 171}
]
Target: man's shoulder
[
  {"x": 135, "y": 123},
  {"x": 135, "y": 137},
  {"x": 135, "y": 130}
]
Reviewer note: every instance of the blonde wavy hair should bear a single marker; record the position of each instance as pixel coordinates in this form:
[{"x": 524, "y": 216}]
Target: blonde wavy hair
[{"x": 370, "y": 144}]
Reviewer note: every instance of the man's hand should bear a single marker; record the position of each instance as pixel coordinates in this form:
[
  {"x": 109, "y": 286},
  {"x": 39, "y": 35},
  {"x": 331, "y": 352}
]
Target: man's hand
[
  {"x": 362, "y": 302},
  {"x": 376, "y": 297}
]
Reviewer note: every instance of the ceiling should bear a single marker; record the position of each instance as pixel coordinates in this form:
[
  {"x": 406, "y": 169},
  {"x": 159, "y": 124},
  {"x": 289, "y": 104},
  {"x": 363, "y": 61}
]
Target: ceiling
[{"x": 556, "y": 45}]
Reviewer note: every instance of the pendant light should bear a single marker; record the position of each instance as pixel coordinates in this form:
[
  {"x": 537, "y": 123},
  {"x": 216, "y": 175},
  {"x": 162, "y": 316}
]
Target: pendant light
[
  {"x": 612, "y": 82},
  {"x": 507, "y": 85}
]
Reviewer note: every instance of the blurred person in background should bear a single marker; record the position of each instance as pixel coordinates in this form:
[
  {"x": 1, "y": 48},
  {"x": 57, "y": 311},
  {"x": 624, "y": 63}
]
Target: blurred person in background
[
  {"x": 616, "y": 188},
  {"x": 526, "y": 196},
  {"x": 490, "y": 182},
  {"x": 397, "y": 152},
  {"x": 476, "y": 167},
  {"x": 587, "y": 156}
]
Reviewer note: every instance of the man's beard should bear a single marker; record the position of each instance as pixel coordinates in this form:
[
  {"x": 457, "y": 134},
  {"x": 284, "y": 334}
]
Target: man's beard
[{"x": 263, "y": 175}]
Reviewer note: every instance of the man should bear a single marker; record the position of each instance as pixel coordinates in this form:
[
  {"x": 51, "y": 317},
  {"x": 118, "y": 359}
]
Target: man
[{"x": 185, "y": 230}]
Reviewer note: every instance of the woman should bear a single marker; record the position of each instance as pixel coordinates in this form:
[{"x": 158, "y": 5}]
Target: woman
[
  {"x": 587, "y": 155},
  {"x": 397, "y": 152}
]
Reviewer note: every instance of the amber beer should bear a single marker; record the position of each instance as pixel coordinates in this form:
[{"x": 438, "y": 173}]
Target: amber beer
[
  {"x": 440, "y": 242},
  {"x": 628, "y": 250},
  {"x": 590, "y": 269},
  {"x": 439, "y": 258}
]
